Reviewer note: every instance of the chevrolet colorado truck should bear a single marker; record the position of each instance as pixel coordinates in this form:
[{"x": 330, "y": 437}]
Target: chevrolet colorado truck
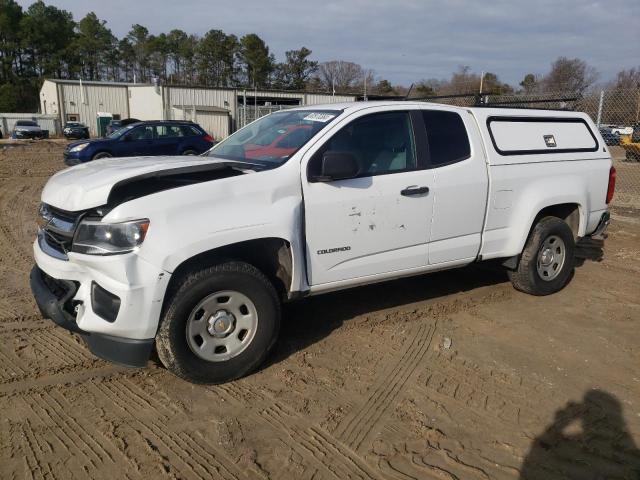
[{"x": 194, "y": 255}]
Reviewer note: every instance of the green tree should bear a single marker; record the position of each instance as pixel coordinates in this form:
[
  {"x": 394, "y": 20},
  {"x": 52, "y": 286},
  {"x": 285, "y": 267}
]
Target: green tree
[
  {"x": 47, "y": 34},
  {"x": 296, "y": 70},
  {"x": 257, "y": 61},
  {"x": 10, "y": 18},
  {"x": 491, "y": 84},
  {"x": 93, "y": 43},
  {"x": 126, "y": 59},
  {"x": 216, "y": 58},
  {"x": 138, "y": 36},
  {"x": 529, "y": 83}
]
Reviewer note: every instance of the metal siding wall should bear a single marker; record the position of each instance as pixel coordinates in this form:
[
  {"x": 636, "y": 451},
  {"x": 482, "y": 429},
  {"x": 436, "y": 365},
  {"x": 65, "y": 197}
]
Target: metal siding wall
[
  {"x": 319, "y": 98},
  {"x": 108, "y": 98},
  {"x": 145, "y": 103},
  {"x": 202, "y": 96},
  {"x": 216, "y": 124}
]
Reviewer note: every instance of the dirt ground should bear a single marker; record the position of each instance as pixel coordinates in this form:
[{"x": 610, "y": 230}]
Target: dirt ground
[{"x": 449, "y": 376}]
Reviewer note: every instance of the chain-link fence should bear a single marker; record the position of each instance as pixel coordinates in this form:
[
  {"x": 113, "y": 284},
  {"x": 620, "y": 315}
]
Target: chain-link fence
[
  {"x": 616, "y": 112},
  {"x": 249, "y": 113}
]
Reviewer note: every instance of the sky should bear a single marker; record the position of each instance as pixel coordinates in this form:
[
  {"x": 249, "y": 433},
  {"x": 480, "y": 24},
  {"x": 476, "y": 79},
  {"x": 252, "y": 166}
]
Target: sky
[{"x": 405, "y": 41}]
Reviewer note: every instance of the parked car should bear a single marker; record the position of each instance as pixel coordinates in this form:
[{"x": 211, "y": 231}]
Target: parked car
[
  {"x": 610, "y": 138},
  {"x": 75, "y": 130},
  {"x": 28, "y": 129},
  {"x": 142, "y": 138},
  {"x": 195, "y": 255}
]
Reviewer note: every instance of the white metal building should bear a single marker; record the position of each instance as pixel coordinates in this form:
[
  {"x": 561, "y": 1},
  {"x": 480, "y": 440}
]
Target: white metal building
[{"x": 218, "y": 110}]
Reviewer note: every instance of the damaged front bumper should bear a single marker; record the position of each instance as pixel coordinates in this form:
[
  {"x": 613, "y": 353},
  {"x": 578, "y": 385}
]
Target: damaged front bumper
[{"x": 54, "y": 299}]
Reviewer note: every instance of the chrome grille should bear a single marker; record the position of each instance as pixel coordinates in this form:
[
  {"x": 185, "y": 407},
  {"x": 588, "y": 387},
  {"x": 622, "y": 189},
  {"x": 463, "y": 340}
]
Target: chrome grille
[{"x": 57, "y": 228}]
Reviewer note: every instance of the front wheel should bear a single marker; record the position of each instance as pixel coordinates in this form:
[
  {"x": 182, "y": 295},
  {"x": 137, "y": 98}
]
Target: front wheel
[
  {"x": 190, "y": 152},
  {"x": 547, "y": 261},
  {"x": 220, "y": 324},
  {"x": 100, "y": 155}
]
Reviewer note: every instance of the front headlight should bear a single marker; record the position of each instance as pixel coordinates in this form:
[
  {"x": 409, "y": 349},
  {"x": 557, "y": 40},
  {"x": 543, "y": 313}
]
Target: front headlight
[
  {"x": 77, "y": 148},
  {"x": 97, "y": 238}
]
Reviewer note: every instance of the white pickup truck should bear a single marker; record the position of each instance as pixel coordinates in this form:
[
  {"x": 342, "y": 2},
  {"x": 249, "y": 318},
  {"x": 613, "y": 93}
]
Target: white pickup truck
[{"x": 195, "y": 254}]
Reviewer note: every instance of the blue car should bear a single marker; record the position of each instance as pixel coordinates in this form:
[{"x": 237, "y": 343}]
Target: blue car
[{"x": 168, "y": 137}]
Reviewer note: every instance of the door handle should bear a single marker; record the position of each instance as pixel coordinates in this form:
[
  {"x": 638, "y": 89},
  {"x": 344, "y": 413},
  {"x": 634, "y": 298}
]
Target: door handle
[{"x": 413, "y": 190}]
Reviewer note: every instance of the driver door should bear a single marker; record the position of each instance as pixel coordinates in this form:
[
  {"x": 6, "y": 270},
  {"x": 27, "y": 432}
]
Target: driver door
[{"x": 379, "y": 221}]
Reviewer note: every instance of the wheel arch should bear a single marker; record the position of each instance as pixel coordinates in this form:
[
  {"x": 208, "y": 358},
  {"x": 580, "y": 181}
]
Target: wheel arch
[
  {"x": 571, "y": 212},
  {"x": 273, "y": 256}
]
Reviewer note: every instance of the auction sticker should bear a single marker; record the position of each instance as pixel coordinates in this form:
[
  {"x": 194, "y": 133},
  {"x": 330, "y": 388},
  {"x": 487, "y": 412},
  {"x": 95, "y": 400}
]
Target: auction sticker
[{"x": 319, "y": 117}]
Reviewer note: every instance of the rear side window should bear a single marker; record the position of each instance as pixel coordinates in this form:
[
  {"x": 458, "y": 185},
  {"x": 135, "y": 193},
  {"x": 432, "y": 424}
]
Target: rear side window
[
  {"x": 447, "y": 137},
  {"x": 189, "y": 131}
]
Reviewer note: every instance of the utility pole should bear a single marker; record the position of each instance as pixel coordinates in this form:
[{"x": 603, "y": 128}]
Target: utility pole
[{"x": 365, "y": 87}]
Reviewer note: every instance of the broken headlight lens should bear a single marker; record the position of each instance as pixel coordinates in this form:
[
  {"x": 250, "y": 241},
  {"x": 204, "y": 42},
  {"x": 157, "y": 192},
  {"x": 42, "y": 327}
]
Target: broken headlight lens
[{"x": 97, "y": 238}]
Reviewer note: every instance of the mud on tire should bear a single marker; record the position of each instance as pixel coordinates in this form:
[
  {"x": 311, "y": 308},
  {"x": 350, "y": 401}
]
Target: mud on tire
[
  {"x": 526, "y": 277},
  {"x": 171, "y": 341}
]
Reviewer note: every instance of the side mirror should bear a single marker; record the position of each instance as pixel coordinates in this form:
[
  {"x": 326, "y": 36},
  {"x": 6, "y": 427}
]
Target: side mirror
[{"x": 338, "y": 166}]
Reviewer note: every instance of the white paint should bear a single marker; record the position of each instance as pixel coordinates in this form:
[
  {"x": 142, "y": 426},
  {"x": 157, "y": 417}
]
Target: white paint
[
  {"x": 388, "y": 235},
  {"x": 514, "y": 136}
]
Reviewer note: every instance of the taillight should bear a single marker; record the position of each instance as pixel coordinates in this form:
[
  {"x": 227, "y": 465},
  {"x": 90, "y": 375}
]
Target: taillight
[
  {"x": 208, "y": 138},
  {"x": 612, "y": 184}
]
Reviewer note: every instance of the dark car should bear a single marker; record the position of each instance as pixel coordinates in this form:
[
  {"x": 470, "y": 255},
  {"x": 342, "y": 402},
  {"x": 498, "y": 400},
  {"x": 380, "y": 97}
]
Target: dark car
[
  {"x": 151, "y": 138},
  {"x": 610, "y": 138},
  {"x": 75, "y": 130}
]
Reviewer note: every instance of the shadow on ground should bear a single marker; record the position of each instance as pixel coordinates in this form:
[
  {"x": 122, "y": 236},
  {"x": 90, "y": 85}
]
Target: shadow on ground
[
  {"x": 586, "y": 441},
  {"x": 309, "y": 320}
]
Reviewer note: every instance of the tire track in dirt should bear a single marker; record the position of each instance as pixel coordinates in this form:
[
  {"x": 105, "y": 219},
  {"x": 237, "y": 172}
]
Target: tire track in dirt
[
  {"x": 149, "y": 418},
  {"x": 49, "y": 428},
  {"x": 310, "y": 442},
  {"x": 357, "y": 426},
  {"x": 37, "y": 352}
]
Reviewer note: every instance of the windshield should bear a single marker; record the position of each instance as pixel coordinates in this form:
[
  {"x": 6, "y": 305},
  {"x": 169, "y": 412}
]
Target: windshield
[
  {"x": 272, "y": 140},
  {"x": 120, "y": 131},
  {"x": 26, "y": 123}
]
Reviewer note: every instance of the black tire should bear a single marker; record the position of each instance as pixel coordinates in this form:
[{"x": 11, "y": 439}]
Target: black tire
[
  {"x": 526, "y": 277},
  {"x": 631, "y": 156},
  {"x": 190, "y": 151},
  {"x": 171, "y": 340},
  {"x": 99, "y": 155}
]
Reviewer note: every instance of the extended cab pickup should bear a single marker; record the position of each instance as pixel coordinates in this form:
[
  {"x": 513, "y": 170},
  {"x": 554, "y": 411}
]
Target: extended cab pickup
[{"x": 195, "y": 254}]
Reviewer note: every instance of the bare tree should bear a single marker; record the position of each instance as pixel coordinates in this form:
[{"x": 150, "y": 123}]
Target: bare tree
[
  {"x": 569, "y": 74},
  {"x": 628, "y": 79},
  {"x": 340, "y": 75}
]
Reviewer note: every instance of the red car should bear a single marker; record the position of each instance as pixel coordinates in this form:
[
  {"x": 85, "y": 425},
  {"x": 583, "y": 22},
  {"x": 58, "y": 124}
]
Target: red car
[{"x": 279, "y": 143}]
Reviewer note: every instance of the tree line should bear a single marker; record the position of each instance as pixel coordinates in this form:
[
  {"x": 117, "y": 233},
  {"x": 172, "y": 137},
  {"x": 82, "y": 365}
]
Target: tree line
[{"x": 44, "y": 41}]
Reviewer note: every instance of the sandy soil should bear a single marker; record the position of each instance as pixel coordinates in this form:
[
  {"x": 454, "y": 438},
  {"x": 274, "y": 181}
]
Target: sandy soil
[{"x": 449, "y": 376}]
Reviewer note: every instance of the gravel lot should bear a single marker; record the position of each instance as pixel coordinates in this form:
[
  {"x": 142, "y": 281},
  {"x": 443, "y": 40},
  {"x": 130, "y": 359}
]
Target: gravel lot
[{"x": 449, "y": 376}]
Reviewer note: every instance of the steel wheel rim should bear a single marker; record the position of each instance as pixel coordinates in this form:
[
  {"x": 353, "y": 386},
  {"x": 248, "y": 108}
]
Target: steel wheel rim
[
  {"x": 221, "y": 326},
  {"x": 551, "y": 258}
]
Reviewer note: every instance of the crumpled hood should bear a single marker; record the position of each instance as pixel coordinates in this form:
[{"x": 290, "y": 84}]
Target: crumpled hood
[{"x": 88, "y": 185}]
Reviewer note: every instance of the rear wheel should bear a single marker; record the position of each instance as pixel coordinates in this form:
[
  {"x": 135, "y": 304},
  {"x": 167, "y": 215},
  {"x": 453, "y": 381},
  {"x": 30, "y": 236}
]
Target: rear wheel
[
  {"x": 547, "y": 261},
  {"x": 190, "y": 152},
  {"x": 100, "y": 155},
  {"x": 220, "y": 324}
]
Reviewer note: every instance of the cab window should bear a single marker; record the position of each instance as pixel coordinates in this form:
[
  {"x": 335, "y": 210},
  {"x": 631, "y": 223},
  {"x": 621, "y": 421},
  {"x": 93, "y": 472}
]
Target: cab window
[
  {"x": 446, "y": 136},
  {"x": 381, "y": 143}
]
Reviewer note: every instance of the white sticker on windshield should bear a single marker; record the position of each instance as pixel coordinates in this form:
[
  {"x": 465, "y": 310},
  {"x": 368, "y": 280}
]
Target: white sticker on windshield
[{"x": 319, "y": 117}]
